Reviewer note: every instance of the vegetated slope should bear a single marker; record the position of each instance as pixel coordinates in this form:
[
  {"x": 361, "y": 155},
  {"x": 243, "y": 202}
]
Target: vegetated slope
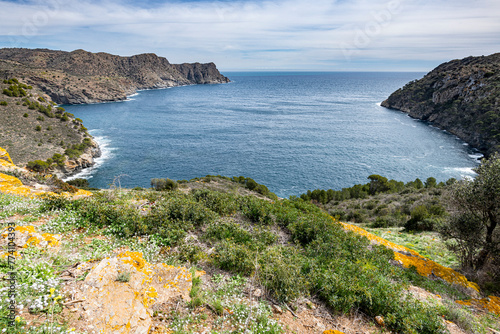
[
  {"x": 287, "y": 249},
  {"x": 32, "y": 127},
  {"x": 460, "y": 96},
  {"x": 84, "y": 77}
]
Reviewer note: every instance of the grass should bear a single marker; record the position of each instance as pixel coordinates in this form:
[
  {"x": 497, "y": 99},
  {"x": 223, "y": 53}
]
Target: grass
[
  {"x": 427, "y": 244},
  {"x": 289, "y": 248}
]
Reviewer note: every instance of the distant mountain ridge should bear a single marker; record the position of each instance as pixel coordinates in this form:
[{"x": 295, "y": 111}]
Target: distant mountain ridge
[
  {"x": 460, "y": 96},
  {"x": 85, "y": 77}
]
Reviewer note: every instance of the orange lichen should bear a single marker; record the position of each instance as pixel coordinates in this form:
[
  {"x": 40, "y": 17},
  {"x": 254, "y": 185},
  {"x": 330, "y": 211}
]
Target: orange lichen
[
  {"x": 5, "y": 157},
  {"x": 425, "y": 267},
  {"x": 51, "y": 240},
  {"x": 377, "y": 239},
  {"x": 332, "y": 331},
  {"x": 33, "y": 241},
  {"x": 12, "y": 185},
  {"x": 34, "y": 238},
  {"x": 149, "y": 296},
  {"x": 491, "y": 303}
]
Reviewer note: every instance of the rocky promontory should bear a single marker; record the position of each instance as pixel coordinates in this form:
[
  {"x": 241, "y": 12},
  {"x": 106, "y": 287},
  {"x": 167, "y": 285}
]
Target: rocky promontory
[
  {"x": 460, "y": 96},
  {"x": 84, "y": 77},
  {"x": 33, "y": 82}
]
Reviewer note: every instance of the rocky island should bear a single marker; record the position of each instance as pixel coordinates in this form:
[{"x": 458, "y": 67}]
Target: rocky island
[
  {"x": 460, "y": 96},
  {"x": 35, "y": 81}
]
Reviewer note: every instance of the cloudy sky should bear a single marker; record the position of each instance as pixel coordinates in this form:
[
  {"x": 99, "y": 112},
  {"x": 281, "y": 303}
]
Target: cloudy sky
[{"x": 341, "y": 35}]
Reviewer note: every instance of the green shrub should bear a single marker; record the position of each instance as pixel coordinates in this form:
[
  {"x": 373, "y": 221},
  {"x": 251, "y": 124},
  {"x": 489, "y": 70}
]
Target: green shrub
[
  {"x": 79, "y": 183},
  {"x": 235, "y": 257},
  {"x": 25, "y": 114},
  {"x": 281, "y": 272},
  {"x": 222, "y": 203},
  {"x": 38, "y": 166},
  {"x": 164, "y": 184},
  {"x": 3, "y": 103},
  {"x": 38, "y": 128}
]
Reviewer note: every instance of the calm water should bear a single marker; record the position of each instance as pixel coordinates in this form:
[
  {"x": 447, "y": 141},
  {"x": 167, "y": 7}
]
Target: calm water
[{"x": 289, "y": 131}]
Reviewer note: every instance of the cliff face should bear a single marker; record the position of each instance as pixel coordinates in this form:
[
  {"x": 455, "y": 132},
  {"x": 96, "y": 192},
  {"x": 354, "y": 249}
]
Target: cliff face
[
  {"x": 32, "y": 127},
  {"x": 84, "y": 77},
  {"x": 460, "y": 96}
]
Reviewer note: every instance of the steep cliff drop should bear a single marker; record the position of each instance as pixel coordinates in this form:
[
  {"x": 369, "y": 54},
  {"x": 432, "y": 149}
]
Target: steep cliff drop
[
  {"x": 460, "y": 96},
  {"x": 85, "y": 77}
]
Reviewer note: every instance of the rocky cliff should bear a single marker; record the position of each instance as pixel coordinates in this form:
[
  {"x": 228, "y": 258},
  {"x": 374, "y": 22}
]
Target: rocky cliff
[
  {"x": 34, "y": 128},
  {"x": 84, "y": 77},
  {"x": 460, "y": 96}
]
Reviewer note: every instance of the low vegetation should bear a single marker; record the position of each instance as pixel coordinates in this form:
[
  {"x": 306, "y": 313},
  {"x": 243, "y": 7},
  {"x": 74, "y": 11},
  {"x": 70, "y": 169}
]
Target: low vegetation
[
  {"x": 465, "y": 213},
  {"x": 289, "y": 247}
]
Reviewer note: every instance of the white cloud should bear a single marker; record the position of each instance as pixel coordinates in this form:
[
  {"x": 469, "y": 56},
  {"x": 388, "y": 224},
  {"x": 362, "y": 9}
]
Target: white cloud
[{"x": 256, "y": 34}]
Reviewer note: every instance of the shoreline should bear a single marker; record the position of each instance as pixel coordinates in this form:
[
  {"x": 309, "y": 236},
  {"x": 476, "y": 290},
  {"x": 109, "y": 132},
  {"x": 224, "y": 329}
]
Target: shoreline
[
  {"x": 105, "y": 154},
  {"x": 437, "y": 126}
]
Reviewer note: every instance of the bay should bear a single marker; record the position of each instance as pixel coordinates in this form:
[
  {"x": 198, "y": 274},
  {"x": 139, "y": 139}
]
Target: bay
[{"x": 291, "y": 131}]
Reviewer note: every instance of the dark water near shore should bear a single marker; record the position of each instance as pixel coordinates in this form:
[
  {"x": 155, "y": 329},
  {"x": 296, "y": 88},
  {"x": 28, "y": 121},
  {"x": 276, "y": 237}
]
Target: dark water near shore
[{"x": 289, "y": 131}]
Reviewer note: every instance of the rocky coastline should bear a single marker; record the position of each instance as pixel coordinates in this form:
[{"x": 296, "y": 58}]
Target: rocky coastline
[
  {"x": 72, "y": 167},
  {"x": 461, "y": 97},
  {"x": 80, "y": 77}
]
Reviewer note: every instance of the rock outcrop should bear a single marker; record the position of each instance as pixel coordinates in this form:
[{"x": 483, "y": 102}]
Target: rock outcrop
[
  {"x": 120, "y": 293},
  {"x": 33, "y": 185},
  {"x": 460, "y": 96},
  {"x": 84, "y": 77}
]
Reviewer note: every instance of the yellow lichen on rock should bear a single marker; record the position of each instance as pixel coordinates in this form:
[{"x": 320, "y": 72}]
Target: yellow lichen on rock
[
  {"x": 426, "y": 267},
  {"x": 491, "y": 303},
  {"x": 332, "y": 331},
  {"x": 126, "y": 306},
  {"x": 5, "y": 159},
  {"x": 27, "y": 236},
  {"x": 12, "y": 185},
  {"x": 408, "y": 257},
  {"x": 377, "y": 239}
]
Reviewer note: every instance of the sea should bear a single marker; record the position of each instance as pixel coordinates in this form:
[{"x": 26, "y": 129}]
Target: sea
[{"x": 292, "y": 131}]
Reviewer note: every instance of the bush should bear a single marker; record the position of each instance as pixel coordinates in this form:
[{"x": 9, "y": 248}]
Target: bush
[
  {"x": 3, "y": 103},
  {"x": 38, "y": 166},
  {"x": 79, "y": 183},
  {"x": 38, "y": 128},
  {"x": 164, "y": 184}
]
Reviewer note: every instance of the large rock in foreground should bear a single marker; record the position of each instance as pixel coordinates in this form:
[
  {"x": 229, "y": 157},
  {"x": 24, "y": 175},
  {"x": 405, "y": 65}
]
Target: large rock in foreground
[{"x": 120, "y": 293}]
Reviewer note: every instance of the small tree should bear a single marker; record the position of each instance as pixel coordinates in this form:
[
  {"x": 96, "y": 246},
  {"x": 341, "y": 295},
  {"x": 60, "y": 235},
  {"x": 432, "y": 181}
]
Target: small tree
[
  {"x": 378, "y": 184},
  {"x": 473, "y": 225}
]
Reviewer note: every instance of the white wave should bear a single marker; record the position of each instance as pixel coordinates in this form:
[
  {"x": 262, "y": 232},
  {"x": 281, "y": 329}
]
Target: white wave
[
  {"x": 135, "y": 94},
  {"x": 477, "y": 157},
  {"x": 106, "y": 154},
  {"x": 379, "y": 104},
  {"x": 465, "y": 172}
]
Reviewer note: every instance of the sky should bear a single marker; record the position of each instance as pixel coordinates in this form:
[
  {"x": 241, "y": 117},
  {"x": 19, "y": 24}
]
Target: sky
[{"x": 257, "y": 35}]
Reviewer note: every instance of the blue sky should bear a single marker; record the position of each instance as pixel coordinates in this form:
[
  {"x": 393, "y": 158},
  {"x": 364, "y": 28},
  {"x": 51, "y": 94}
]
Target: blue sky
[{"x": 356, "y": 35}]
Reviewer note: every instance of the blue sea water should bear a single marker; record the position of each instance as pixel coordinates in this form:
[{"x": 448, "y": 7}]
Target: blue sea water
[{"x": 290, "y": 131}]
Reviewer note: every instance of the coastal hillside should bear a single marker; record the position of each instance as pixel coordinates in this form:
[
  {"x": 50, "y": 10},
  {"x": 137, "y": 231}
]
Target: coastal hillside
[
  {"x": 217, "y": 255},
  {"x": 84, "y": 77},
  {"x": 460, "y": 96},
  {"x": 41, "y": 134}
]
